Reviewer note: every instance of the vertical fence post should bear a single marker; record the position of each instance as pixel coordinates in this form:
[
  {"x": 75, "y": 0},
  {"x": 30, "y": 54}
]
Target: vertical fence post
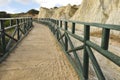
[
  {"x": 3, "y": 40},
  {"x": 51, "y": 25},
  {"x": 24, "y": 25},
  {"x": 61, "y": 23},
  {"x": 57, "y": 29},
  {"x": 31, "y": 25},
  {"x": 73, "y": 28},
  {"x": 54, "y": 26},
  {"x": 54, "y": 21},
  {"x": 18, "y": 31},
  {"x": 86, "y": 57},
  {"x": 66, "y": 40},
  {"x": 105, "y": 38},
  {"x": 11, "y": 22},
  {"x": 28, "y": 23}
]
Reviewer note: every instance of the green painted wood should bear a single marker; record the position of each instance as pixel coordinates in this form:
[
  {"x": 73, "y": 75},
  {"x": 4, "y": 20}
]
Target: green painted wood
[
  {"x": 111, "y": 56},
  {"x": 105, "y": 38},
  {"x": 73, "y": 28},
  {"x": 85, "y": 56},
  {"x": 99, "y": 25},
  {"x": 74, "y": 35},
  {"x": 10, "y": 41},
  {"x": 77, "y": 60},
  {"x": 72, "y": 62},
  {"x": 95, "y": 64},
  {"x": 103, "y": 49},
  {"x": 66, "y": 40},
  {"x": 13, "y": 47},
  {"x": 11, "y": 37},
  {"x": 76, "y": 49},
  {"x": 17, "y": 28},
  {"x": 3, "y": 40},
  {"x": 60, "y": 23},
  {"x": 61, "y": 37},
  {"x": 18, "y": 31},
  {"x": 62, "y": 41}
]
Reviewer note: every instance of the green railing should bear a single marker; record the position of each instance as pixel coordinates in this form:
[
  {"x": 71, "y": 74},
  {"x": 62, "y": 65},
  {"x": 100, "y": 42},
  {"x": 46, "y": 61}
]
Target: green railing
[
  {"x": 60, "y": 29},
  {"x": 12, "y": 31}
]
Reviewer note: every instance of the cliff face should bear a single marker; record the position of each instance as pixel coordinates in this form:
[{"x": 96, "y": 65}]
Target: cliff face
[
  {"x": 90, "y": 11},
  {"x": 101, "y": 11},
  {"x": 113, "y": 11},
  {"x": 45, "y": 13},
  {"x": 64, "y": 12}
]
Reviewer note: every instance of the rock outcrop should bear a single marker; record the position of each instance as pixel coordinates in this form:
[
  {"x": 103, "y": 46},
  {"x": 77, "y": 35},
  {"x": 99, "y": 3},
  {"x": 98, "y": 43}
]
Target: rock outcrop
[
  {"x": 64, "y": 12},
  {"x": 99, "y": 11},
  {"x": 45, "y": 13}
]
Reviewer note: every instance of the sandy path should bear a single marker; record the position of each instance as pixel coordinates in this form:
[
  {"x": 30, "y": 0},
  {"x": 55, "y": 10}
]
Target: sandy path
[{"x": 37, "y": 57}]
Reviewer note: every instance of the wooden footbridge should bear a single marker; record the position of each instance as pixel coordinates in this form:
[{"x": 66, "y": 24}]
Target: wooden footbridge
[{"x": 30, "y": 51}]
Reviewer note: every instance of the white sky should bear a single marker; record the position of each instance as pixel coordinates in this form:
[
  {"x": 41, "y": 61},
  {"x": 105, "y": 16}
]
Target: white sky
[
  {"x": 13, "y": 6},
  {"x": 53, "y": 3}
]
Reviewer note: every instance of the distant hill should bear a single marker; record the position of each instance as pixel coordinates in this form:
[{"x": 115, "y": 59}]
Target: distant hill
[
  {"x": 3, "y": 14},
  {"x": 31, "y": 13}
]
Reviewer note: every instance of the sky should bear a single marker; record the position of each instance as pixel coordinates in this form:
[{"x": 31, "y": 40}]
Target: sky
[{"x": 17, "y": 6}]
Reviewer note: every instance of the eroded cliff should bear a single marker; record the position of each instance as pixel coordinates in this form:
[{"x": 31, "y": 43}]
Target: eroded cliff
[
  {"x": 45, "y": 13},
  {"x": 64, "y": 12}
]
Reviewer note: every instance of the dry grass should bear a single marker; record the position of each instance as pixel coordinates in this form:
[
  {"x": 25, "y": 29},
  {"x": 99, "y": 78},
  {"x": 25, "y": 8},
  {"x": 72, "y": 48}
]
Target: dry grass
[{"x": 113, "y": 38}]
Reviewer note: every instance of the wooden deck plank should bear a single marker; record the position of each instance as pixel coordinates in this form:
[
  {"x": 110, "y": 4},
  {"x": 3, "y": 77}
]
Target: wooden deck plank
[{"x": 37, "y": 57}]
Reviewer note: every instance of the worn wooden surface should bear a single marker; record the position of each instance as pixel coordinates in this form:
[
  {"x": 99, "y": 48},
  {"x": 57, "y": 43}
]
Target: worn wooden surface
[{"x": 37, "y": 57}]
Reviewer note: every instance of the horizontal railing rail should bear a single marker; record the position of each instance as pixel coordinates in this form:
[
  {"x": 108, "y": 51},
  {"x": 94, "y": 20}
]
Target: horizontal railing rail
[
  {"x": 64, "y": 37},
  {"x": 12, "y": 31}
]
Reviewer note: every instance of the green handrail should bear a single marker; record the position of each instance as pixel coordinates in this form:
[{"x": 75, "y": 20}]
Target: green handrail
[
  {"x": 56, "y": 25},
  {"x": 12, "y": 31}
]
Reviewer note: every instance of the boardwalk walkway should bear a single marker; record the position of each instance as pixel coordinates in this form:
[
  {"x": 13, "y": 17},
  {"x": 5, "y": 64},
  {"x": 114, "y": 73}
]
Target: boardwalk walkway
[{"x": 37, "y": 57}]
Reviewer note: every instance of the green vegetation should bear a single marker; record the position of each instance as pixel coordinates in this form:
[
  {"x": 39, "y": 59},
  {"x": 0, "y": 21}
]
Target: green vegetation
[
  {"x": 18, "y": 15},
  {"x": 7, "y": 23},
  {"x": 33, "y": 12},
  {"x": 4, "y": 15}
]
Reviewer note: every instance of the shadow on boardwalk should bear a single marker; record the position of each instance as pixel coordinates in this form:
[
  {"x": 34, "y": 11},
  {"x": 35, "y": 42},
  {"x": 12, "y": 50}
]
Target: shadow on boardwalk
[{"x": 37, "y": 57}]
